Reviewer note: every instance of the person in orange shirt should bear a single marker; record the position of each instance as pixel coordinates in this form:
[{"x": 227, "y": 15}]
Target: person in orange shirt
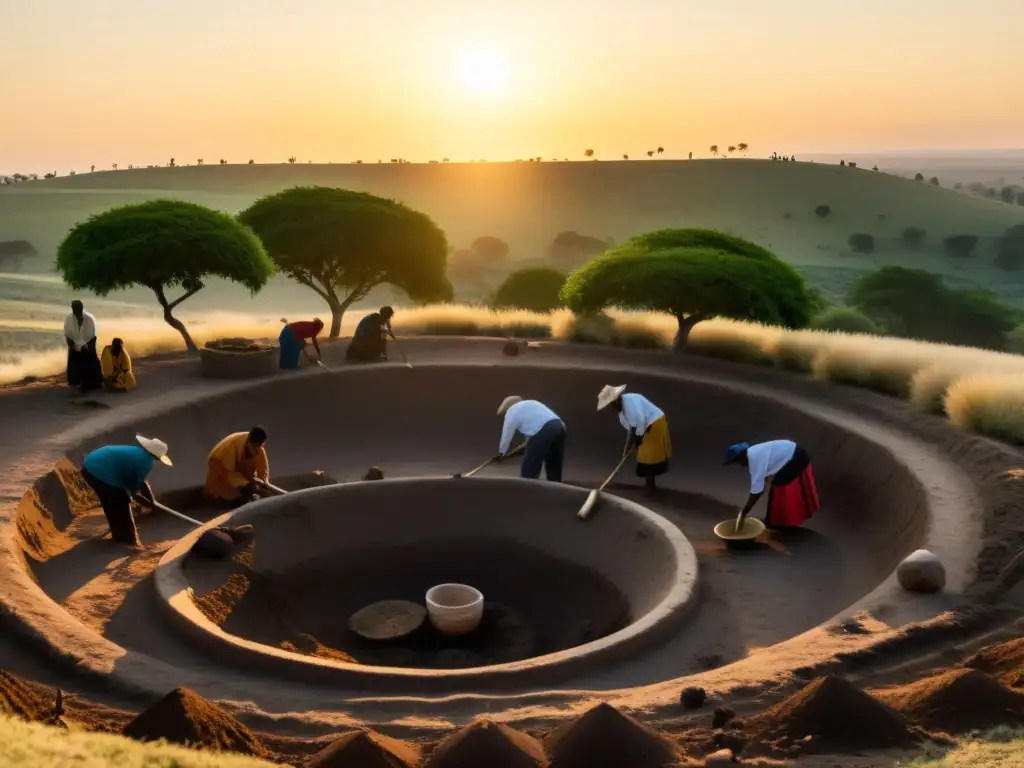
[
  {"x": 235, "y": 465},
  {"x": 117, "y": 367}
]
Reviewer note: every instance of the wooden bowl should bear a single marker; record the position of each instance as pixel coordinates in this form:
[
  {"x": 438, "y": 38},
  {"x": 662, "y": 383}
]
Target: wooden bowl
[{"x": 752, "y": 528}]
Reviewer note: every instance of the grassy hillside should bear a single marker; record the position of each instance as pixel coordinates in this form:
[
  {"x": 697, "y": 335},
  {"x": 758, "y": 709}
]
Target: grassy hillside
[{"x": 527, "y": 204}]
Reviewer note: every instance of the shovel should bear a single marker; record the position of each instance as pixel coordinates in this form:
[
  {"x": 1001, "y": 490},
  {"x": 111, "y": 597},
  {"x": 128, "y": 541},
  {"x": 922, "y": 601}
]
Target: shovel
[
  {"x": 739, "y": 522},
  {"x": 402, "y": 353},
  {"x": 588, "y": 506},
  {"x": 320, "y": 363},
  {"x": 240, "y": 531},
  {"x": 270, "y": 486},
  {"x": 513, "y": 452}
]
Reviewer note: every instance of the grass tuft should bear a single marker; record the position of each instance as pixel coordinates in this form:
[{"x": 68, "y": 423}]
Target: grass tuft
[{"x": 988, "y": 403}]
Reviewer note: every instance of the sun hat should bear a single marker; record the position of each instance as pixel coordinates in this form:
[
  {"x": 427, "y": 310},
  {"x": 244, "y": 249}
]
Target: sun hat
[
  {"x": 156, "y": 448},
  {"x": 507, "y": 403},
  {"x": 608, "y": 395},
  {"x": 733, "y": 452}
]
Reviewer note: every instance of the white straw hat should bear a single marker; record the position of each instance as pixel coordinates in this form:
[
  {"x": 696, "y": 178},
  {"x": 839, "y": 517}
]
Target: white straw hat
[
  {"x": 609, "y": 395},
  {"x": 157, "y": 448},
  {"x": 507, "y": 403}
]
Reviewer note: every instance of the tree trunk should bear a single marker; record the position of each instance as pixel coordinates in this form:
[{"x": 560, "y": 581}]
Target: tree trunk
[
  {"x": 338, "y": 308},
  {"x": 685, "y": 326},
  {"x": 179, "y": 326}
]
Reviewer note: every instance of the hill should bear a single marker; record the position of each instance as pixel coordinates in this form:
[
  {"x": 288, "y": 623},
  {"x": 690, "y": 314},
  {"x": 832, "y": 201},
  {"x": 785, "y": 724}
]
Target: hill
[{"x": 527, "y": 204}]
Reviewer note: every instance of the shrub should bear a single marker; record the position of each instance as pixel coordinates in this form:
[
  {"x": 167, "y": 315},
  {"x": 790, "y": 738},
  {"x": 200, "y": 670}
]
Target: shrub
[
  {"x": 844, "y": 320},
  {"x": 934, "y": 181},
  {"x": 1011, "y": 249},
  {"x": 990, "y": 404},
  {"x": 490, "y": 248},
  {"x": 823, "y": 211},
  {"x": 572, "y": 248},
  {"x": 862, "y": 242},
  {"x": 913, "y": 237},
  {"x": 532, "y": 288},
  {"x": 1008, "y": 194},
  {"x": 735, "y": 342},
  {"x": 797, "y": 351},
  {"x": 961, "y": 246},
  {"x": 918, "y": 177}
]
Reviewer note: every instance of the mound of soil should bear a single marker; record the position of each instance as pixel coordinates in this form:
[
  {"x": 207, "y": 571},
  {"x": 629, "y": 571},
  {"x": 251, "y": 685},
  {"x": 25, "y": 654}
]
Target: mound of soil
[
  {"x": 310, "y": 646},
  {"x": 958, "y": 701},
  {"x": 486, "y": 743},
  {"x": 1004, "y": 661},
  {"x": 366, "y": 749},
  {"x": 185, "y": 717},
  {"x": 837, "y": 714},
  {"x": 17, "y": 699},
  {"x": 603, "y": 736}
]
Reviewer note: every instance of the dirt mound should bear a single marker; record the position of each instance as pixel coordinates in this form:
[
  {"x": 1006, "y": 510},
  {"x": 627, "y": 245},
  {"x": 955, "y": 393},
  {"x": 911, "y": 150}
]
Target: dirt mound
[
  {"x": 185, "y": 717},
  {"x": 837, "y": 714},
  {"x": 17, "y": 699},
  {"x": 366, "y": 749},
  {"x": 1004, "y": 661},
  {"x": 603, "y": 736},
  {"x": 486, "y": 743},
  {"x": 310, "y": 646},
  {"x": 958, "y": 701}
]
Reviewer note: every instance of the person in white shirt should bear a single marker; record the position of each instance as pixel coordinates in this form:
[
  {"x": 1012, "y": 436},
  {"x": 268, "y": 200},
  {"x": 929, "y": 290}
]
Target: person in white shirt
[
  {"x": 646, "y": 429},
  {"x": 544, "y": 433},
  {"x": 793, "y": 495},
  {"x": 84, "y": 371}
]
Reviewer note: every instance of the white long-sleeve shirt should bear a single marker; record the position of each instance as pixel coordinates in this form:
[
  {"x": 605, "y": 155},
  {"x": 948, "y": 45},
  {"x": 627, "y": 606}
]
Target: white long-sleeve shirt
[
  {"x": 638, "y": 413},
  {"x": 766, "y": 459},
  {"x": 525, "y": 417},
  {"x": 80, "y": 335}
]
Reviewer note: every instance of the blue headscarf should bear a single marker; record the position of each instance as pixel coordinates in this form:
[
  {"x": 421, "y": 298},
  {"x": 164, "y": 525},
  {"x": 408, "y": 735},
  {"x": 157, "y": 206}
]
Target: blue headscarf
[{"x": 734, "y": 451}]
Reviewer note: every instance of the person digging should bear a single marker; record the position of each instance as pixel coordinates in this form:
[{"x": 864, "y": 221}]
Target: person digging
[
  {"x": 370, "y": 341},
  {"x": 238, "y": 469},
  {"x": 793, "y": 495},
  {"x": 646, "y": 429},
  {"x": 545, "y": 437}
]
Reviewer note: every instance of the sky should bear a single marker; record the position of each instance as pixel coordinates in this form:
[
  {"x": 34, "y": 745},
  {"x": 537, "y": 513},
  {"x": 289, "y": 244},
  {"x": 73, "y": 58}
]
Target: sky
[{"x": 97, "y": 82}]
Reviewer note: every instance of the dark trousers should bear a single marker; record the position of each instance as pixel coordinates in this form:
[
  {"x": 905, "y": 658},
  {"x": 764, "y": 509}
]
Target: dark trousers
[
  {"x": 84, "y": 371},
  {"x": 366, "y": 349},
  {"x": 117, "y": 508},
  {"x": 547, "y": 449}
]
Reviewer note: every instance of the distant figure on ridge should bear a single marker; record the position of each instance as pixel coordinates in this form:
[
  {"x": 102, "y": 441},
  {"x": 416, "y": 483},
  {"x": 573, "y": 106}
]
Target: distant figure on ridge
[
  {"x": 83, "y": 370},
  {"x": 116, "y": 366},
  {"x": 293, "y": 341},
  {"x": 793, "y": 497},
  {"x": 236, "y": 464},
  {"x": 370, "y": 341},
  {"x": 544, "y": 432},
  {"x": 647, "y": 430},
  {"x": 116, "y": 473}
]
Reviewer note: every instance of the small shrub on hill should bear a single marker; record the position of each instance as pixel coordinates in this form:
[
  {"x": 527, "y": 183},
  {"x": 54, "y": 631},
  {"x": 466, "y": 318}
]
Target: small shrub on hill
[
  {"x": 1010, "y": 256},
  {"x": 490, "y": 248},
  {"x": 823, "y": 211},
  {"x": 960, "y": 246},
  {"x": 1008, "y": 194},
  {"x": 844, "y": 320},
  {"x": 918, "y": 177},
  {"x": 572, "y": 248},
  {"x": 913, "y": 237},
  {"x": 861, "y": 242},
  {"x": 934, "y": 181},
  {"x": 532, "y": 288}
]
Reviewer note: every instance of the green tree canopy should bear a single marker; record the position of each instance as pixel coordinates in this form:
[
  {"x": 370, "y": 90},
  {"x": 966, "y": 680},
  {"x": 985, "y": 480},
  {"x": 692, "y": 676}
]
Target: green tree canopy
[
  {"x": 162, "y": 244},
  {"x": 917, "y": 304},
  {"x": 533, "y": 288},
  {"x": 844, "y": 320},
  {"x": 342, "y": 244},
  {"x": 693, "y": 274}
]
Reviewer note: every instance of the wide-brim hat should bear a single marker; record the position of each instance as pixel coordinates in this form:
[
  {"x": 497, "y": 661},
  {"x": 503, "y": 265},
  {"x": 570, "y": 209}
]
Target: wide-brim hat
[
  {"x": 507, "y": 403},
  {"x": 156, "y": 448},
  {"x": 608, "y": 395},
  {"x": 733, "y": 452}
]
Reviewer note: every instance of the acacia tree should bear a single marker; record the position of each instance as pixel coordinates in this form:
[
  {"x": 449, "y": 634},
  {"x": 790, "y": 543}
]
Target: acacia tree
[
  {"x": 162, "y": 244},
  {"x": 714, "y": 150},
  {"x": 342, "y": 244},
  {"x": 694, "y": 275}
]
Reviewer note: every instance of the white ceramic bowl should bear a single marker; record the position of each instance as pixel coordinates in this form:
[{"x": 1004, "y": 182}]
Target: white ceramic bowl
[{"x": 455, "y": 609}]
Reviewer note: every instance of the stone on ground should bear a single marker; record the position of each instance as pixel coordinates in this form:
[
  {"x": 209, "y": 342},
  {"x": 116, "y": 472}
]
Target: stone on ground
[
  {"x": 486, "y": 743},
  {"x": 722, "y": 716},
  {"x": 719, "y": 759},
  {"x": 921, "y": 571},
  {"x": 693, "y": 698},
  {"x": 215, "y": 544},
  {"x": 366, "y": 749},
  {"x": 603, "y": 737}
]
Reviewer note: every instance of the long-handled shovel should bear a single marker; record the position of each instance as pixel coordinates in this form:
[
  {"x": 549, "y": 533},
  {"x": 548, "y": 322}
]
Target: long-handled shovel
[
  {"x": 320, "y": 363},
  {"x": 513, "y": 452},
  {"x": 270, "y": 487},
  {"x": 232, "y": 531},
  {"x": 588, "y": 506},
  {"x": 402, "y": 353}
]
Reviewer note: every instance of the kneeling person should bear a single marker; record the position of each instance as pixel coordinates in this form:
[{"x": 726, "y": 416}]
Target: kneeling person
[
  {"x": 235, "y": 465},
  {"x": 370, "y": 341},
  {"x": 544, "y": 433},
  {"x": 117, "y": 367},
  {"x": 793, "y": 497}
]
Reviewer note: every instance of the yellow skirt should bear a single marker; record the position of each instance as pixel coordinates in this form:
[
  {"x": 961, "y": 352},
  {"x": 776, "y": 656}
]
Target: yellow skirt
[{"x": 655, "y": 451}]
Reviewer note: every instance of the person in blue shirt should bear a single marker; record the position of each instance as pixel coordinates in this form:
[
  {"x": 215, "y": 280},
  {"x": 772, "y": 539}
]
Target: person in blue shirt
[
  {"x": 370, "y": 341},
  {"x": 116, "y": 473}
]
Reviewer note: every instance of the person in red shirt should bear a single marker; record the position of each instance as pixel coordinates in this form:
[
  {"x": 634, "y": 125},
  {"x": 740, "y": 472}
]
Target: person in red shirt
[{"x": 293, "y": 341}]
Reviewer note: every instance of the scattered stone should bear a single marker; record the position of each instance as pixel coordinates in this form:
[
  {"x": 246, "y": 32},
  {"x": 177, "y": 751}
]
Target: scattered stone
[
  {"x": 921, "y": 571},
  {"x": 374, "y": 473},
  {"x": 854, "y": 627},
  {"x": 958, "y": 701},
  {"x": 736, "y": 725},
  {"x": 510, "y": 348},
  {"x": 720, "y": 758},
  {"x": 486, "y": 743},
  {"x": 603, "y": 737},
  {"x": 366, "y": 749},
  {"x": 17, "y": 699},
  {"x": 721, "y": 717},
  {"x": 693, "y": 698},
  {"x": 214, "y": 543},
  {"x": 185, "y": 717}
]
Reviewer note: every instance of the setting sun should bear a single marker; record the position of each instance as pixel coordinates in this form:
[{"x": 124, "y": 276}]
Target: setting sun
[{"x": 483, "y": 70}]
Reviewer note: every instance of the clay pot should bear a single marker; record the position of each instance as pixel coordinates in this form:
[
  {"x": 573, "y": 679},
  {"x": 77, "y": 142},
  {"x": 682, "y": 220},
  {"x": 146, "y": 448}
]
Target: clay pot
[{"x": 455, "y": 609}]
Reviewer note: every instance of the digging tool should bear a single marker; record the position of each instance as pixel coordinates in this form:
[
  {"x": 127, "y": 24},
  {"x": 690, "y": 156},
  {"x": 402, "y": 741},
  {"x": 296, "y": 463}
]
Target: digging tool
[
  {"x": 232, "y": 531},
  {"x": 739, "y": 522},
  {"x": 513, "y": 452},
  {"x": 588, "y": 506},
  {"x": 270, "y": 486},
  {"x": 320, "y": 363},
  {"x": 402, "y": 353}
]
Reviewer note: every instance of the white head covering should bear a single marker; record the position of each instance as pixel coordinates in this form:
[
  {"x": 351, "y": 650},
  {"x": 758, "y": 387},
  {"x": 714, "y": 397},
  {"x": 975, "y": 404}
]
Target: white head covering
[
  {"x": 157, "y": 448},
  {"x": 608, "y": 395},
  {"x": 507, "y": 403}
]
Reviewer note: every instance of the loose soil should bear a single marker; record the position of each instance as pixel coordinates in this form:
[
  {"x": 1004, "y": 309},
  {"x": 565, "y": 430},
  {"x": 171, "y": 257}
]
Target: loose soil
[
  {"x": 603, "y": 736},
  {"x": 1004, "y": 661},
  {"x": 17, "y": 699},
  {"x": 958, "y": 701},
  {"x": 366, "y": 749},
  {"x": 486, "y": 743}
]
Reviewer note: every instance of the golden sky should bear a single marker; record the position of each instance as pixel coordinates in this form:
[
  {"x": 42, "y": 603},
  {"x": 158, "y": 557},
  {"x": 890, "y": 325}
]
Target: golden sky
[{"x": 139, "y": 81}]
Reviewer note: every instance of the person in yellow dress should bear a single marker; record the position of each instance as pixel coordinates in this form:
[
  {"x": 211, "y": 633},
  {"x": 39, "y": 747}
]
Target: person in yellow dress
[
  {"x": 647, "y": 428},
  {"x": 235, "y": 466},
  {"x": 116, "y": 365}
]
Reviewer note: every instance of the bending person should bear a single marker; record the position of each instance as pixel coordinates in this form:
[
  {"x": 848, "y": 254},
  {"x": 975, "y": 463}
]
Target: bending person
[
  {"x": 370, "y": 341},
  {"x": 544, "y": 432},
  {"x": 83, "y": 363},
  {"x": 793, "y": 496},
  {"x": 117, "y": 367},
  {"x": 293, "y": 341},
  {"x": 116, "y": 473},
  {"x": 647, "y": 429},
  {"x": 235, "y": 465}
]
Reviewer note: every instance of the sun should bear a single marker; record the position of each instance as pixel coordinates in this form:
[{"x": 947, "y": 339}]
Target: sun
[{"x": 483, "y": 70}]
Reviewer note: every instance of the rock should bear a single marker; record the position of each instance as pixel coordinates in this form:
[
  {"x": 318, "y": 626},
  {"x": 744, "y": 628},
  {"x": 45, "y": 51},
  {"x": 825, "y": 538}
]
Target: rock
[
  {"x": 693, "y": 698},
  {"x": 921, "y": 571},
  {"x": 722, "y": 716},
  {"x": 374, "y": 473},
  {"x": 511, "y": 348},
  {"x": 215, "y": 543},
  {"x": 720, "y": 758}
]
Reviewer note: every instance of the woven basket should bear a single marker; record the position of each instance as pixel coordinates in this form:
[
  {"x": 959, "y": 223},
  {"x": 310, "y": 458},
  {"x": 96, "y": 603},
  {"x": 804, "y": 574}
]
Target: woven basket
[{"x": 237, "y": 361}]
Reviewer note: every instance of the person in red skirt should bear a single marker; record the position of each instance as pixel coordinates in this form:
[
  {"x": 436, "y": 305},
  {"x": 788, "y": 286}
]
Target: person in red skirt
[{"x": 792, "y": 496}]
